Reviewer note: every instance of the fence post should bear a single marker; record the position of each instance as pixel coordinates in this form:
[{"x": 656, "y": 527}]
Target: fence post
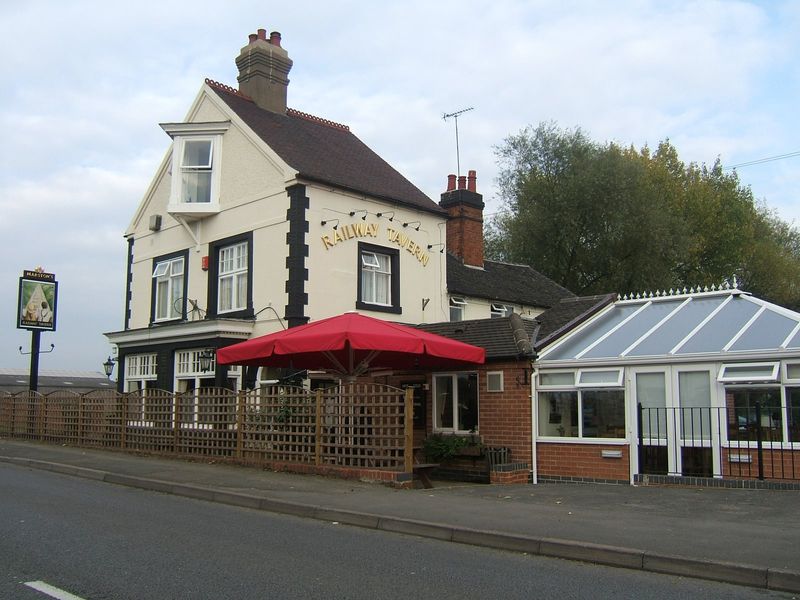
[
  {"x": 408, "y": 426},
  {"x": 640, "y": 435},
  {"x": 123, "y": 412},
  {"x": 41, "y": 417},
  {"x": 80, "y": 419},
  {"x": 240, "y": 399},
  {"x": 759, "y": 441},
  {"x": 176, "y": 426},
  {"x": 318, "y": 429}
]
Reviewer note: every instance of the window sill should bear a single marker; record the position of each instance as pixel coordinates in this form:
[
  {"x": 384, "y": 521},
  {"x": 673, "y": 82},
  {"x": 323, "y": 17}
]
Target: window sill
[
  {"x": 193, "y": 209},
  {"x": 379, "y": 308},
  {"x": 590, "y": 441}
]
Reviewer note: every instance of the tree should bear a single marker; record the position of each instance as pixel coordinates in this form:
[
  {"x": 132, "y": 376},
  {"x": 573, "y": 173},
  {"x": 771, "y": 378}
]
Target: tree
[{"x": 599, "y": 217}]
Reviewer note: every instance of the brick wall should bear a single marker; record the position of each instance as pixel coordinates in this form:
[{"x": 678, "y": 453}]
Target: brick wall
[
  {"x": 504, "y": 418},
  {"x": 465, "y": 234},
  {"x": 581, "y": 461},
  {"x": 778, "y": 464}
]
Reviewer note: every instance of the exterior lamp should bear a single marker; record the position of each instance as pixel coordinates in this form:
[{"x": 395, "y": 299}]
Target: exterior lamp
[
  {"x": 108, "y": 367},
  {"x": 206, "y": 357}
]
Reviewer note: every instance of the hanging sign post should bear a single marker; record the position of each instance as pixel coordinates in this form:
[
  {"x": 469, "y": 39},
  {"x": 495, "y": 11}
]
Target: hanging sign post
[{"x": 36, "y": 311}]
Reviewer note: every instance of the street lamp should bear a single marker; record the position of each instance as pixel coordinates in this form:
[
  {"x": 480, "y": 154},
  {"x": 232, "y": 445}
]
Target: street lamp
[
  {"x": 108, "y": 367},
  {"x": 206, "y": 358}
]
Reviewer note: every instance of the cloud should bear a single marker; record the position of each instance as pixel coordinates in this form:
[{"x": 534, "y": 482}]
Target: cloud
[{"x": 88, "y": 82}]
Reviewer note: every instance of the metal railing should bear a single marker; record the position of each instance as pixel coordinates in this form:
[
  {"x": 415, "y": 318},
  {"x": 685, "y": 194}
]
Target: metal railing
[{"x": 750, "y": 442}]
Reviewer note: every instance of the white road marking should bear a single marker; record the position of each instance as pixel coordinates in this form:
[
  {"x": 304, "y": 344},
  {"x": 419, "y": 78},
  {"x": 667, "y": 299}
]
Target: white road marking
[{"x": 53, "y": 592}]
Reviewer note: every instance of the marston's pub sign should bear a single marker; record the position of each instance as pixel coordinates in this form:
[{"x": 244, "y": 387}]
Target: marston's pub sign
[{"x": 38, "y": 295}]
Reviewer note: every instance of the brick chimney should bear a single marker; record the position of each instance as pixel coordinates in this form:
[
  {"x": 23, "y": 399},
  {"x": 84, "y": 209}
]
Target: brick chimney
[
  {"x": 263, "y": 71},
  {"x": 465, "y": 219}
]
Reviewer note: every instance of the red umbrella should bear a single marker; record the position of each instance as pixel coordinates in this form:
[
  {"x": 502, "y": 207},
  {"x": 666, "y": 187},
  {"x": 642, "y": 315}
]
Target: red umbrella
[{"x": 352, "y": 344}]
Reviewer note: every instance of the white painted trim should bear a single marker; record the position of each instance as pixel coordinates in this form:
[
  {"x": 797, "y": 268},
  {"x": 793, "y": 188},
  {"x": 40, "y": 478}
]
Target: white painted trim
[
  {"x": 747, "y": 326},
  {"x": 613, "y": 330},
  {"x": 655, "y": 327},
  {"x": 790, "y": 336},
  {"x": 700, "y": 325},
  {"x": 577, "y": 331}
]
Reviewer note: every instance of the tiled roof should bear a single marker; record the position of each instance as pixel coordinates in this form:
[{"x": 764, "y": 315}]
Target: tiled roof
[
  {"x": 519, "y": 284},
  {"x": 567, "y": 314},
  {"x": 326, "y": 152},
  {"x": 496, "y": 336}
]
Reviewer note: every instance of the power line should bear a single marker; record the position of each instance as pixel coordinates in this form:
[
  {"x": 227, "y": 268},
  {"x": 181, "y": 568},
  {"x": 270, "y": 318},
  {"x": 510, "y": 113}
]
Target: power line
[{"x": 759, "y": 161}]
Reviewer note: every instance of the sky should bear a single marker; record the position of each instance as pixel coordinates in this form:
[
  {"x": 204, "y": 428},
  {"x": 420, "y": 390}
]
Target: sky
[{"x": 87, "y": 83}]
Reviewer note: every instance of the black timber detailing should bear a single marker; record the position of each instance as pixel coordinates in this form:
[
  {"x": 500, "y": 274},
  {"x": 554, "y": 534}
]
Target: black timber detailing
[
  {"x": 128, "y": 283},
  {"x": 296, "y": 259}
]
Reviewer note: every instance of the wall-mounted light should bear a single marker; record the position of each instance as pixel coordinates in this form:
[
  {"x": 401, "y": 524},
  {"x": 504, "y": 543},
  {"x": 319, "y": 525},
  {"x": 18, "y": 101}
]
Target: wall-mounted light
[
  {"x": 323, "y": 223},
  {"x": 206, "y": 358},
  {"x": 355, "y": 212},
  {"x": 108, "y": 366},
  {"x": 383, "y": 214},
  {"x": 441, "y": 250},
  {"x": 411, "y": 223}
]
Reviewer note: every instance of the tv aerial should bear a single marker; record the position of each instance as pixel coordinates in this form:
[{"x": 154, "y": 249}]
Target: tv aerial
[{"x": 455, "y": 116}]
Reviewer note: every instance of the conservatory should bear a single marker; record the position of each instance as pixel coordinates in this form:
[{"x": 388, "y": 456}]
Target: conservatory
[{"x": 661, "y": 387}]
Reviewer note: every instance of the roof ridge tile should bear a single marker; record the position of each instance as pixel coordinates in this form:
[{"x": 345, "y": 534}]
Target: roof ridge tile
[
  {"x": 227, "y": 88},
  {"x": 292, "y": 112}
]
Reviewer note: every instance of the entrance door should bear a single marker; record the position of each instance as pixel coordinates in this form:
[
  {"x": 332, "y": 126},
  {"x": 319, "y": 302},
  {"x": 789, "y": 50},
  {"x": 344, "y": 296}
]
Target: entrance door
[{"x": 677, "y": 426}]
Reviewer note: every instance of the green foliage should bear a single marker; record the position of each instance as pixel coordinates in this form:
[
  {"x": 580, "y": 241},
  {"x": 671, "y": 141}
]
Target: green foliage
[
  {"x": 439, "y": 448},
  {"x": 600, "y": 218}
]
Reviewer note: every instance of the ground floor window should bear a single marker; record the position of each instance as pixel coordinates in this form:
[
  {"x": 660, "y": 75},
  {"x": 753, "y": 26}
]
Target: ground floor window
[
  {"x": 584, "y": 413},
  {"x": 456, "y": 402},
  {"x": 140, "y": 375},
  {"x": 196, "y": 404}
]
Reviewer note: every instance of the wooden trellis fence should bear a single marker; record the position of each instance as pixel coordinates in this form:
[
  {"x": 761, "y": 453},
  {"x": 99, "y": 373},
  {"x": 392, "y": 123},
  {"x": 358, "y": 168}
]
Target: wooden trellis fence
[{"x": 351, "y": 426}]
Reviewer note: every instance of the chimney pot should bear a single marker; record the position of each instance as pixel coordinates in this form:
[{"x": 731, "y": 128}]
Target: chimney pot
[
  {"x": 253, "y": 37},
  {"x": 451, "y": 182},
  {"x": 275, "y": 38},
  {"x": 471, "y": 181},
  {"x": 262, "y": 34},
  {"x": 462, "y": 182}
]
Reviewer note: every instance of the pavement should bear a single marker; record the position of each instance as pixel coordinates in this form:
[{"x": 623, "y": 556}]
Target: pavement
[{"x": 745, "y": 537}]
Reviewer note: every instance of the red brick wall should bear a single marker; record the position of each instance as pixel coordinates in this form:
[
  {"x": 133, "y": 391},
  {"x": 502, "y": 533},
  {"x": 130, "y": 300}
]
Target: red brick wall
[
  {"x": 504, "y": 418},
  {"x": 465, "y": 234},
  {"x": 777, "y": 464},
  {"x": 582, "y": 460}
]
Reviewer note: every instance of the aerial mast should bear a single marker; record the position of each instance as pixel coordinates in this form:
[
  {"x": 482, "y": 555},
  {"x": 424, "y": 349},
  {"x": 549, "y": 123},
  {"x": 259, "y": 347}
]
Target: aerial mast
[{"x": 455, "y": 116}]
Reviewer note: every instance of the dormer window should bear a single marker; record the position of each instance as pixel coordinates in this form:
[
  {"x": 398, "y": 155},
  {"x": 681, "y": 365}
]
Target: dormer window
[
  {"x": 196, "y": 171},
  {"x": 196, "y": 165}
]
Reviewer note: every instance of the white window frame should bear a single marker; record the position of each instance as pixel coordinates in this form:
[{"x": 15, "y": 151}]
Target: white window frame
[
  {"x": 786, "y": 376},
  {"x": 191, "y": 132},
  {"x": 581, "y": 438},
  {"x": 140, "y": 369},
  {"x": 455, "y": 404},
  {"x": 370, "y": 263},
  {"x": 240, "y": 262},
  {"x": 555, "y": 386},
  {"x": 187, "y": 368},
  {"x": 459, "y": 304},
  {"x": 163, "y": 273},
  {"x": 498, "y": 310},
  {"x": 500, "y": 380},
  {"x": 615, "y": 382},
  {"x": 723, "y": 377}
]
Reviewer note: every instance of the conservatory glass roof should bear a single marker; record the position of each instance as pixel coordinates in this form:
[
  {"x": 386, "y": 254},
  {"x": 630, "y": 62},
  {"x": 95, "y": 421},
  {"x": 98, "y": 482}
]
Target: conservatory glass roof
[{"x": 723, "y": 322}]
